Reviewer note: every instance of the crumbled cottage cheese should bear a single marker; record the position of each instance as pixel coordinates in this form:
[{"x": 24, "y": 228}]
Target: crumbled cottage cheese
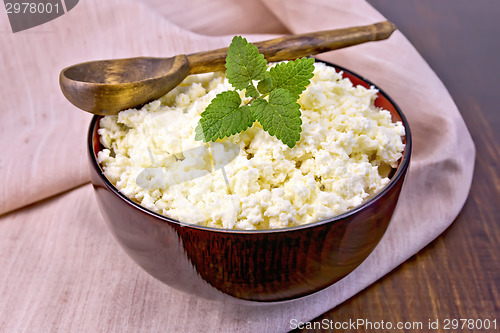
[{"x": 345, "y": 152}]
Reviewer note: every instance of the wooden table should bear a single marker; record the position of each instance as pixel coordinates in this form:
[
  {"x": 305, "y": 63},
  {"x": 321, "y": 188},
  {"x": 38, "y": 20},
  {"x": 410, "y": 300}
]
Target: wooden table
[{"x": 458, "y": 275}]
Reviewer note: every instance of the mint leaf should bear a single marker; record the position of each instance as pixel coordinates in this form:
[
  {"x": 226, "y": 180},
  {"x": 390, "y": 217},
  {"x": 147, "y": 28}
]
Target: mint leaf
[
  {"x": 293, "y": 76},
  {"x": 244, "y": 63},
  {"x": 223, "y": 117},
  {"x": 266, "y": 85},
  {"x": 251, "y": 91},
  {"x": 280, "y": 116}
]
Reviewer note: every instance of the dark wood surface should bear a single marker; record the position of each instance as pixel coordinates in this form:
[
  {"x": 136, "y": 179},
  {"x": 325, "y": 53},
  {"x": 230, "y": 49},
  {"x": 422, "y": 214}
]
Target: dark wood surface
[{"x": 457, "y": 275}]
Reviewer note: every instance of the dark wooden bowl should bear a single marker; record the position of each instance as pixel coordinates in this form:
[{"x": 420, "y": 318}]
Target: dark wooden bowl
[{"x": 258, "y": 266}]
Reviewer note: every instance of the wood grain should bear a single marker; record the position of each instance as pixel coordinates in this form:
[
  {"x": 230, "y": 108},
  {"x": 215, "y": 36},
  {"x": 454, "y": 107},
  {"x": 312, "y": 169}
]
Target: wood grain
[{"x": 457, "y": 275}]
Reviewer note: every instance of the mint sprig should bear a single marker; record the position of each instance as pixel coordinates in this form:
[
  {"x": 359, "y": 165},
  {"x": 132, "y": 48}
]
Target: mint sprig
[{"x": 282, "y": 85}]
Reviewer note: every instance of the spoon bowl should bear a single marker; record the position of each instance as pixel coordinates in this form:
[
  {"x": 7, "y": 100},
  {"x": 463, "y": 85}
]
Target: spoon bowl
[{"x": 108, "y": 86}]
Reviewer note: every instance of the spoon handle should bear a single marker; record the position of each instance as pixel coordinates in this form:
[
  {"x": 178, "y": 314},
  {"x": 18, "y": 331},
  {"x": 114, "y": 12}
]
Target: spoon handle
[{"x": 296, "y": 46}]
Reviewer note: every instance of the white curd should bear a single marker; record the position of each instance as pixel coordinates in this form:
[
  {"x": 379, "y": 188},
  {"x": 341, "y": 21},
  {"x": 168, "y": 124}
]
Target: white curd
[{"x": 346, "y": 148}]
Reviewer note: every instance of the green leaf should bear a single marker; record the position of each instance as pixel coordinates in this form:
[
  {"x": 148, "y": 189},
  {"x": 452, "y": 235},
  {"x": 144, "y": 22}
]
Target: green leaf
[
  {"x": 251, "y": 91},
  {"x": 223, "y": 117},
  {"x": 293, "y": 76},
  {"x": 280, "y": 116},
  {"x": 244, "y": 63},
  {"x": 265, "y": 85}
]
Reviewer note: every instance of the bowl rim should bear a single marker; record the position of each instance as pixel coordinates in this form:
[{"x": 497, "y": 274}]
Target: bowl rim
[{"x": 400, "y": 172}]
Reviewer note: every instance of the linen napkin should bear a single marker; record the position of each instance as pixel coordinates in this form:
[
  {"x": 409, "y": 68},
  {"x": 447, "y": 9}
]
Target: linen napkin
[{"x": 62, "y": 270}]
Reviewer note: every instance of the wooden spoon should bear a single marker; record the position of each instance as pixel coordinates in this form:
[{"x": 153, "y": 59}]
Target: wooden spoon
[{"x": 105, "y": 87}]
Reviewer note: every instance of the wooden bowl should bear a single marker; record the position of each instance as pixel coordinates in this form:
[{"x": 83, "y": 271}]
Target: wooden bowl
[{"x": 256, "y": 266}]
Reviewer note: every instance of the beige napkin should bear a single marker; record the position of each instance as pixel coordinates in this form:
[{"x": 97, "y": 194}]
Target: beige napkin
[{"x": 60, "y": 268}]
